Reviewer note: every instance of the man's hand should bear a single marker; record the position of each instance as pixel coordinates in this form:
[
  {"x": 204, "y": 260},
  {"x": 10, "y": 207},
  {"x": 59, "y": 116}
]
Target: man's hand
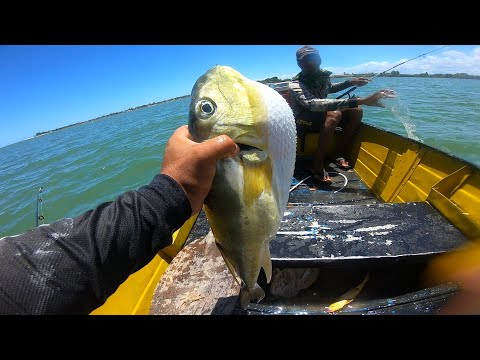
[
  {"x": 374, "y": 99},
  {"x": 359, "y": 81},
  {"x": 193, "y": 164}
]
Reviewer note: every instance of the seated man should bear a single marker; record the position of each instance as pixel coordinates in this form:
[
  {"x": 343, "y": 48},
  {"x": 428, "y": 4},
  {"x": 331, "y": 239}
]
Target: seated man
[{"x": 308, "y": 91}]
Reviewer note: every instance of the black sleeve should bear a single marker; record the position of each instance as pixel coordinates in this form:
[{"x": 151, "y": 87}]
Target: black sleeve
[{"x": 73, "y": 265}]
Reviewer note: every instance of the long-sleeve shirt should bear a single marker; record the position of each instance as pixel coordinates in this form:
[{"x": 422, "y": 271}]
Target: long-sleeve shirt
[
  {"x": 74, "y": 264},
  {"x": 309, "y": 94}
]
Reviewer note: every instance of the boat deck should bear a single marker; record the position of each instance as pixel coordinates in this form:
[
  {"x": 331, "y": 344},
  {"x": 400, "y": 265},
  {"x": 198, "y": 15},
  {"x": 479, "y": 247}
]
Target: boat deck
[
  {"x": 347, "y": 187},
  {"x": 344, "y": 232},
  {"x": 311, "y": 192}
]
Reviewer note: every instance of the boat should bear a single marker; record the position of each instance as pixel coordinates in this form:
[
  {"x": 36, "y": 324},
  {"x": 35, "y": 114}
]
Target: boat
[{"x": 401, "y": 204}]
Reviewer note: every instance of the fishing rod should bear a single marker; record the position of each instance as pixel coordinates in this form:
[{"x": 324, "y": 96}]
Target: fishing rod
[{"x": 393, "y": 67}]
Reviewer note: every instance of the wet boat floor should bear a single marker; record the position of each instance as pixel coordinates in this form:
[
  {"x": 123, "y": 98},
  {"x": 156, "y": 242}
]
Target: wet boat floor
[
  {"x": 389, "y": 290},
  {"x": 310, "y": 191},
  {"x": 345, "y": 232}
]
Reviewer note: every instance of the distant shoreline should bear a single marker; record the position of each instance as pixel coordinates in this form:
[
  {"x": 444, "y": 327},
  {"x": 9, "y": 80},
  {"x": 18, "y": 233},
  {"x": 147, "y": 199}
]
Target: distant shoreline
[
  {"x": 395, "y": 74},
  {"x": 114, "y": 113},
  {"x": 273, "y": 80}
]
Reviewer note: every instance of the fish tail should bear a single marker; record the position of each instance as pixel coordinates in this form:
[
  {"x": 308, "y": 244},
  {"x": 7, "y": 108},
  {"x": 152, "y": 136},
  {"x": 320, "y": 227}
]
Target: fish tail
[{"x": 246, "y": 295}]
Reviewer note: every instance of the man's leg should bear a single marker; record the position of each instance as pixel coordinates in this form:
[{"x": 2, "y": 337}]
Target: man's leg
[
  {"x": 332, "y": 118},
  {"x": 351, "y": 120}
]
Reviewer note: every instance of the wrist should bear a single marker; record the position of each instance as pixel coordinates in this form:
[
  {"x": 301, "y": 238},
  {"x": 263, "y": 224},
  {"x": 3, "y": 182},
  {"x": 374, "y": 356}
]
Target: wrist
[{"x": 353, "y": 102}]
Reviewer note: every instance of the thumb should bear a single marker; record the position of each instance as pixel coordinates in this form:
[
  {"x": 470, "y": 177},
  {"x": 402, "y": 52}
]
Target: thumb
[{"x": 219, "y": 147}]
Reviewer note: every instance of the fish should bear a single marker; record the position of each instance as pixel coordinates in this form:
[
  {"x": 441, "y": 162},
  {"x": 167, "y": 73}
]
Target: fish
[
  {"x": 348, "y": 297},
  {"x": 250, "y": 191}
]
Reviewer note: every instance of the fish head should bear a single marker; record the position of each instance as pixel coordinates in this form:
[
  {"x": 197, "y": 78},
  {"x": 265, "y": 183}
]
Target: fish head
[
  {"x": 257, "y": 118},
  {"x": 223, "y": 101}
]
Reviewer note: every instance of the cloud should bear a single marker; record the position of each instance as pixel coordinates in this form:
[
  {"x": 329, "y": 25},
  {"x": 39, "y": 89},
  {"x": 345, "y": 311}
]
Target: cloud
[{"x": 447, "y": 62}]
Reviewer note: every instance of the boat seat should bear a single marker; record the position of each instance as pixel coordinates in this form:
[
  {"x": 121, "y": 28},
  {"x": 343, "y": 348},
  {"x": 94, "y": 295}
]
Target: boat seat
[{"x": 324, "y": 235}]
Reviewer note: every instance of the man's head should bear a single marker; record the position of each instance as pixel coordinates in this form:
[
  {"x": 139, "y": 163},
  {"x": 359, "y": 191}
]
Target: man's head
[{"x": 308, "y": 59}]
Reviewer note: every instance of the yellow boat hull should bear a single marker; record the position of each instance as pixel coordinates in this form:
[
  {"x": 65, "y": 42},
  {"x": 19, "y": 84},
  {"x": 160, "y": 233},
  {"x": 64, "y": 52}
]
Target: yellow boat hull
[
  {"x": 398, "y": 169},
  {"x": 395, "y": 168},
  {"x": 134, "y": 296}
]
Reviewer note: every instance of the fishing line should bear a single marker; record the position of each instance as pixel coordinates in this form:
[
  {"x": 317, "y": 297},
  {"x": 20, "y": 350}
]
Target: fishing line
[
  {"x": 403, "y": 116},
  {"x": 393, "y": 67}
]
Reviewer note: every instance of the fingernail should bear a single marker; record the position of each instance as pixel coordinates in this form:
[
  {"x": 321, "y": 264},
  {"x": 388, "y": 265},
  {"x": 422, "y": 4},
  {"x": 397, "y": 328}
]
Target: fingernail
[{"x": 236, "y": 149}]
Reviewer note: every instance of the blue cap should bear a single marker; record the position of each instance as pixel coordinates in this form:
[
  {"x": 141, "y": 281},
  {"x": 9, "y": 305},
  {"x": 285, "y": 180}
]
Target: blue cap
[{"x": 307, "y": 50}]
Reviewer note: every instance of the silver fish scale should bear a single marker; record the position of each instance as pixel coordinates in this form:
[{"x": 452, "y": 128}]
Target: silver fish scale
[{"x": 282, "y": 137}]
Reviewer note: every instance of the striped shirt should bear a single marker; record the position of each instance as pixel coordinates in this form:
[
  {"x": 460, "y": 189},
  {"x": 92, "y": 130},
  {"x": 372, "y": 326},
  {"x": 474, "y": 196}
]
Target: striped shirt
[{"x": 312, "y": 96}]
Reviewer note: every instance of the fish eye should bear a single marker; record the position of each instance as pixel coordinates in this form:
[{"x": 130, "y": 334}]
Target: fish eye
[{"x": 205, "y": 108}]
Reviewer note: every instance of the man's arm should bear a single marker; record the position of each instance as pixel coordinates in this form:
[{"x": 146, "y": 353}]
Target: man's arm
[
  {"x": 73, "y": 265},
  {"x": 359, "y": 81},
  {"x": 336, "y": 87},
  {"x": 300, "y": 94}
]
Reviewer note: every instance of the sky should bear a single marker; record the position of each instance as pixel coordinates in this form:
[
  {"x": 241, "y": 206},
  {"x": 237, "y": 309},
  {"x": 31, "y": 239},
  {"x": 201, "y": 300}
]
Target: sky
[{"x": 44, "y": 87}]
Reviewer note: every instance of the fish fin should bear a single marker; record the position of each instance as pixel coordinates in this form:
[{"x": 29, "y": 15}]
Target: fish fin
[
  {"x": 230, "y": 266},
  {"x": 246, "y": 295},
  {"x": 267, "y": 262},
  {"x": 349, "y": 296},
  {"x": 257, "y": 178}
]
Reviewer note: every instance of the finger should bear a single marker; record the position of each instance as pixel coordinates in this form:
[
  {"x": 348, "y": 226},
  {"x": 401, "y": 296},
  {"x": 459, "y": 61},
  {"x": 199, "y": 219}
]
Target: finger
[
  {"x": 219, "y": 147},
  {"x": 182, "y": 131},
  {"x": 181, "y": 136}
]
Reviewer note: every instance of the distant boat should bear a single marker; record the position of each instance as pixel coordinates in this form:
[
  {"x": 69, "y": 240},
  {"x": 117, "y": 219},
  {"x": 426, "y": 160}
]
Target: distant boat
[{"x": 402, "y": 203}]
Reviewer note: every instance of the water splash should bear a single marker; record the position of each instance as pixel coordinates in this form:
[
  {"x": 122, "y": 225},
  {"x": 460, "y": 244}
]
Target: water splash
[{"x": 400, "y": 109}]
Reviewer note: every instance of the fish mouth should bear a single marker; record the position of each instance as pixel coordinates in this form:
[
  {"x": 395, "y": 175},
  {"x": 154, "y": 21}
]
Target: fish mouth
[
  {"x": 250, "y": 153},
  {"x": 247, "y": 148}
]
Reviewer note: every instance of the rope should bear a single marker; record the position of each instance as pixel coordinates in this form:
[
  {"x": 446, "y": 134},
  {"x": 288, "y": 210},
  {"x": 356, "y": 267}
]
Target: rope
[
  {"x": 330, "y": 172},
  {"x": 344, "y": 184},
  {"x": 301, "y": 181}
]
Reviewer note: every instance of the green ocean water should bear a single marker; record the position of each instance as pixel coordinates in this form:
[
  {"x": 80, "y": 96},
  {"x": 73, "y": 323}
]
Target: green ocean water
[{"x": 82, "y": 166}]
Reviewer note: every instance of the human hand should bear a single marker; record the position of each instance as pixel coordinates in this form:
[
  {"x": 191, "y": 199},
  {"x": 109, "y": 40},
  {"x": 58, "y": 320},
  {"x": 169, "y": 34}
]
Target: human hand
[
  {"x": 374, "y": 99},
  {"x": 193, "y": 164},
  {"x": 359, "y": 81}
]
